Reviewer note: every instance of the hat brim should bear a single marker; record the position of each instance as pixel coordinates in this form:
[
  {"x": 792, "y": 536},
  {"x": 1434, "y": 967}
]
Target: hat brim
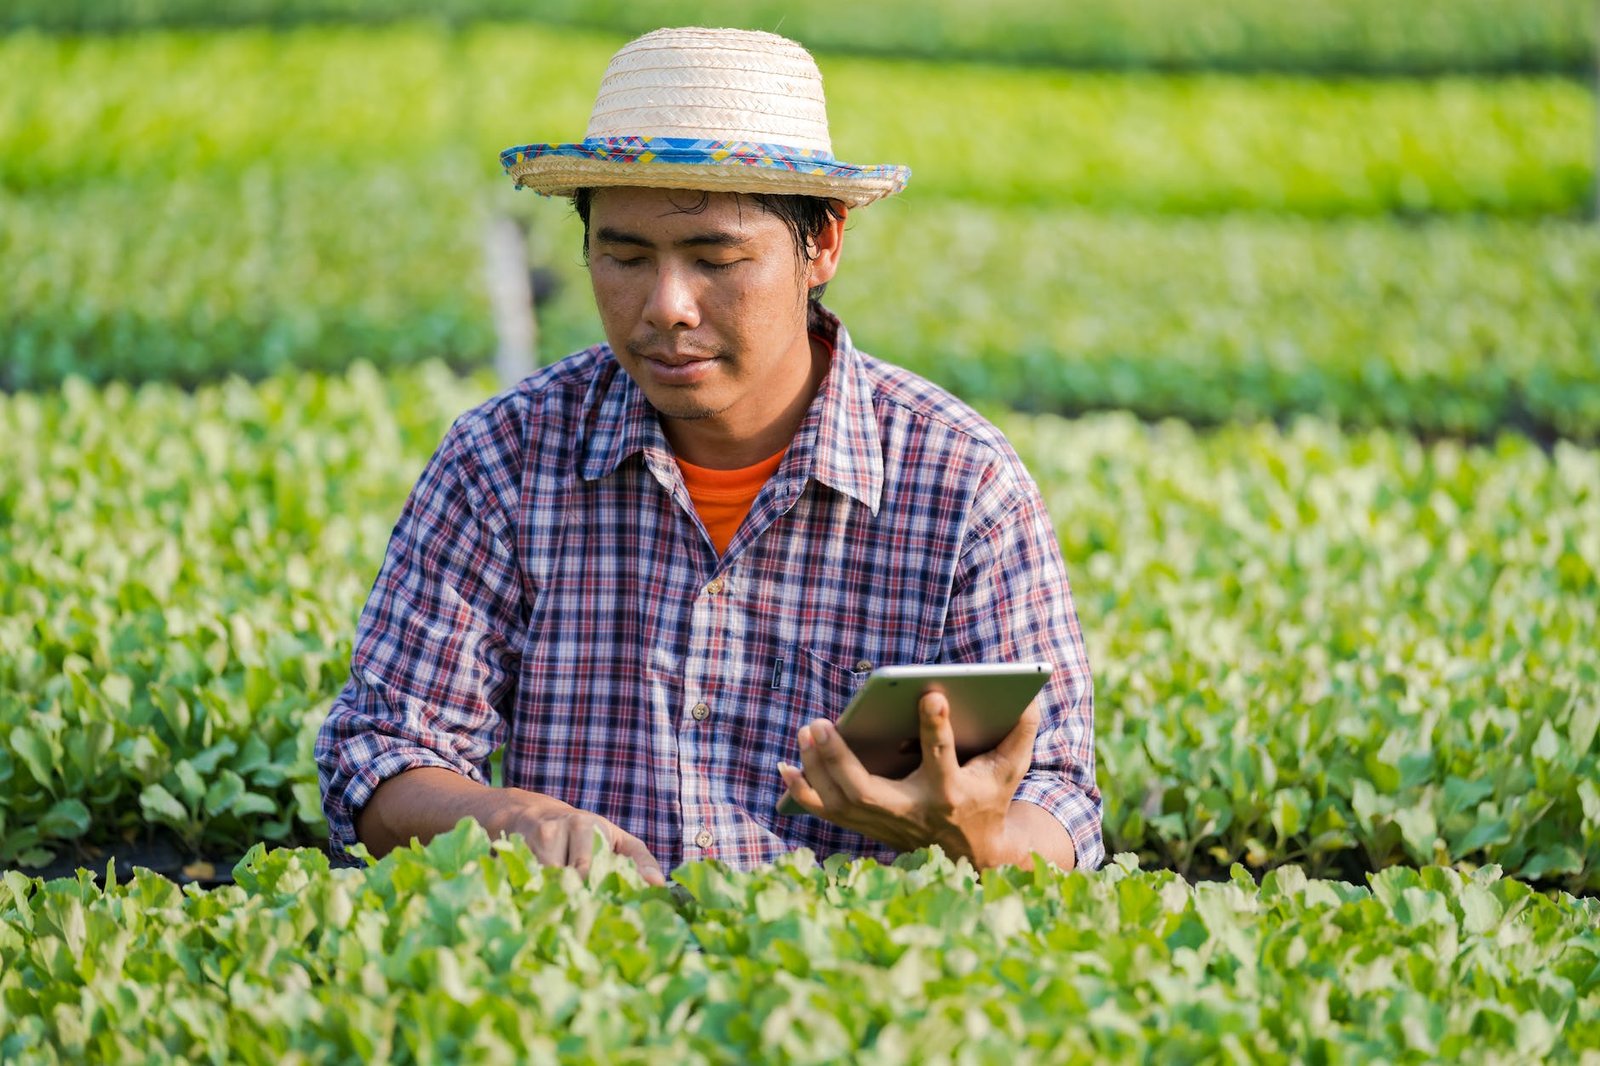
[{"x": 706, "y": 165}]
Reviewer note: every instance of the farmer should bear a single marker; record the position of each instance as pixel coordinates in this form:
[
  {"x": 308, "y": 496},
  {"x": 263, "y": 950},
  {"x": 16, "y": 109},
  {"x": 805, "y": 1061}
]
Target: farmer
[{"x": 657, "y": 570}]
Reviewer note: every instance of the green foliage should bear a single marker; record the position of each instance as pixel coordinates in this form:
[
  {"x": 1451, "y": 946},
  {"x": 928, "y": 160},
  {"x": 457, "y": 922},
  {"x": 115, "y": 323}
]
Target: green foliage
[
  {"x": 1443, "y": 328},
  {"x": 1341, "y": 651},
  {"x": 1452, "y": 327},
  {"x": 315, "y": 197},
  {"x": 1344, "y": 36},
  {"x": 252, "y": 274},
  {"x": 468, "y": 949},
  {"x": 180, "y": 577},
  {"x": 417, "y": 98}
]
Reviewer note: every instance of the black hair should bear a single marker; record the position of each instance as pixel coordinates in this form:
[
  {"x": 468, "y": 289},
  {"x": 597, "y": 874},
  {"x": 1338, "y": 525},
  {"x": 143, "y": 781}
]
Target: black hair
[{"x": 805, "y": 216}]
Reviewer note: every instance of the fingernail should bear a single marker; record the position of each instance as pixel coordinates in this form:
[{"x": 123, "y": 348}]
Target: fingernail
[
  {"x": 805, "y": 738},
  {"x": 784, "y": 770},
  {"x": 822, "y": 732}
]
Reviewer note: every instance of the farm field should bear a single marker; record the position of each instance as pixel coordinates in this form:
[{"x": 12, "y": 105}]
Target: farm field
[
  {"x": 459, "y": 951},
  {"x": 1344, "y": 650},
  {"x": 1181, "y": 144},
  {"x": 1350, "y": 36},
  {"x": 1482, "y": 323},
  {"x": 1290, "y": 310}
]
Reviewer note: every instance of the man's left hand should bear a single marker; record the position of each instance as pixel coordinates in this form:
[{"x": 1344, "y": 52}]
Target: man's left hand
[{"x": 961, "y": 808}]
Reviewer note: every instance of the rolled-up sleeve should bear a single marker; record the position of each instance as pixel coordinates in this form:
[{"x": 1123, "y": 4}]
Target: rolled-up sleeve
[
  {"x": 435, "y": 661},
  {"x": 1011, "y": 603}
]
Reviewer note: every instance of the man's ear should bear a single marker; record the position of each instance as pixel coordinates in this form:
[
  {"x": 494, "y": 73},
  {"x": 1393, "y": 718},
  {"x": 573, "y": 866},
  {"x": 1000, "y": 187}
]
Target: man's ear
[{"x": 828, "y": 246}]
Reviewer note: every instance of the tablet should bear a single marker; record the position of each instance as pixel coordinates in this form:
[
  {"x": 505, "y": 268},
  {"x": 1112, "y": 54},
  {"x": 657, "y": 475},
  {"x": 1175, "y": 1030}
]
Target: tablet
[{"x": 882, "y": 724}]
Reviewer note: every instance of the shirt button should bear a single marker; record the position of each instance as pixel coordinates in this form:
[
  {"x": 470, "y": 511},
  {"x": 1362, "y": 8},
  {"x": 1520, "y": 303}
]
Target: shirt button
[
  {"x": 701, "y": 711},
  {"x": 702, "y": 839},
  {"x": 863, "y": 665},
  {"x": 715, "y": 586}
]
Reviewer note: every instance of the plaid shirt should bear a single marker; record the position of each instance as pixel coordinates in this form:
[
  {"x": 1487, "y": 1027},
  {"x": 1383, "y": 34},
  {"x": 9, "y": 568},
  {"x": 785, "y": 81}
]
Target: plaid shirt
[{"x": 549, "y": 587}]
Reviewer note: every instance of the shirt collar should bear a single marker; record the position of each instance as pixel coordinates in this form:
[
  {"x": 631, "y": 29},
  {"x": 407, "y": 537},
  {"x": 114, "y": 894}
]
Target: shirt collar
[
  {"x": 619, "y": 420},
  {"x": 836, "y": 443}
]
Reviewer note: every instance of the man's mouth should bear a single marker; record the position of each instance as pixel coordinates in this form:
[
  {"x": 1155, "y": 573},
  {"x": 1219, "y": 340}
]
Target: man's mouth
[
  {"x": 676, "y": 359},
  {"x": 672, "y": 367}
]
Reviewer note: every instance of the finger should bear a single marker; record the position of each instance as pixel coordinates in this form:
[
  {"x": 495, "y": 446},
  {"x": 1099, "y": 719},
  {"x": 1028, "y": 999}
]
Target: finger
[
  {"x": 580, "y": 845},
  {"x": 799, "y": 789},
  {"x": 549, "y": 841},
  {"x": 626, "y": 844},
  {"x": 816, "y": 770},
  {"x": 938, "y": 737},
  {"x": 853, "y": 781},
  {"x": 1013, "y": 755}
]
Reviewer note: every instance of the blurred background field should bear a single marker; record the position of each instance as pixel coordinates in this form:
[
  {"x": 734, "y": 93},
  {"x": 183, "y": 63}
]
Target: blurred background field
[
  {"x": 1344, "y": 36},
  {"x": 183, "y": 204},
  {"x": 1319, "y": 285}
]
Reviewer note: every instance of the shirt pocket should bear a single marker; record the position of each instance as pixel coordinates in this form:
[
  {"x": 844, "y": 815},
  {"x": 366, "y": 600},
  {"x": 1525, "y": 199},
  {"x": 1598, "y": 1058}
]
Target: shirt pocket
[
  {"x": 797, "y": 686},
  {"x": 824, "y": 686}
]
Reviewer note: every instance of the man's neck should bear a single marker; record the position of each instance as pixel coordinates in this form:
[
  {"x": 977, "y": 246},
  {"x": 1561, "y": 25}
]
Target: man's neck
[{"x": 716, "y": 445}]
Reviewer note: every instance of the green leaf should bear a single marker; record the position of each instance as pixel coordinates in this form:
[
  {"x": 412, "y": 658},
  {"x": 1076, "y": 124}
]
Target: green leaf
[
  {"x": 253, "y": 756},
  {"x": 162, "y": 807},
  {"x": 1589, "y": 796},
  {"x": 1488, "y": 831},
  {"x": 1481, "y": 911},
  {"x": 192, "y": 787},
  {"x": 259, "y": 686},
  {"x": 206, "y": 761},
  {"x": 224, "y": 793},
  {"x": 35, "y": 752},
  {"x": 254, "y": 803},
  {"x": 1289, "y": 811},
  {"x": 1418, "y": 828},
  {"x": 1583, "y": 724},
  {"x": 67, "y": 819},
  {"x": 1555, "y": 859},
  {"x": 1547, "y": 746},
  {"x": 118, "y": 691}
]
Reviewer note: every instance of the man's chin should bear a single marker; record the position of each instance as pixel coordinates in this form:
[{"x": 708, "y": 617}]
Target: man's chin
[
  {"x": 681, "y": 409},
  {"x": 683, "y": 402}
]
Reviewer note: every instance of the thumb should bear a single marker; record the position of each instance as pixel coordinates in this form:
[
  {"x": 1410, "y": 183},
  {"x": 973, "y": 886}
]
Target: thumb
[{"x": 626, "y": 844}]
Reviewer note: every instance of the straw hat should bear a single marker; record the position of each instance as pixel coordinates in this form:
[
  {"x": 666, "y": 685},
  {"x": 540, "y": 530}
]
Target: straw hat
[{"x": 715, "y": 110}]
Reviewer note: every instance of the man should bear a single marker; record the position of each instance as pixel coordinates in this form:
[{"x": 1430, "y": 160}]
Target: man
[{"x": 657, "y": 570}]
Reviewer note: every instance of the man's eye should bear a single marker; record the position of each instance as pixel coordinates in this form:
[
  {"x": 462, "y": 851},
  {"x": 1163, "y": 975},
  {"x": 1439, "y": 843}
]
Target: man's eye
[
  {"x": 619, "y": 261},
  {"x": 712, "y": 265}
]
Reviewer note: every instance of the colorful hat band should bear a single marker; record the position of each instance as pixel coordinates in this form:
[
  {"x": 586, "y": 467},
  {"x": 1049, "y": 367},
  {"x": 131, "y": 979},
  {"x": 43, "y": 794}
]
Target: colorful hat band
[{"x": 693, "y": 151}]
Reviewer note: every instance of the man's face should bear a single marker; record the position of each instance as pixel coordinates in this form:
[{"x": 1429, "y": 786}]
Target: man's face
[{"x": 705, "y": 309}]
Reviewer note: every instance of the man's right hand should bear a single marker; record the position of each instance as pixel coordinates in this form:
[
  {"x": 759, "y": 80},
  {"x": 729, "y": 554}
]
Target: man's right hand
[
  {"x": 567, "y": 838},
  {"x": 430, "y": 800}
]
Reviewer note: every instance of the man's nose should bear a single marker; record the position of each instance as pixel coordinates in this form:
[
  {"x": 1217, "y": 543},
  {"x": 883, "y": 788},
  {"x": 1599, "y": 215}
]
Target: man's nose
[{"x": 672, "y": 303}]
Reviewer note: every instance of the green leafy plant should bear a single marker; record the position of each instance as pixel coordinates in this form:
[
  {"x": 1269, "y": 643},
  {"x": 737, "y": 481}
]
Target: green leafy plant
[
  {"x": 1422, "y": 36},
  {"x": 179, "y": 580},
  {"x": 1346, "y": 651},
  {"x": 470, "y": 949},
  {"x": 1444, "y": 327},
  {"x": 413, "y": 98}
]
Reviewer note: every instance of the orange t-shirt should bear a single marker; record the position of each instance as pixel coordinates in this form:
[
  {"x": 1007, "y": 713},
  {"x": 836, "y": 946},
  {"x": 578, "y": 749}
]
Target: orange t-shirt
[{"x": 723, "y": 497}]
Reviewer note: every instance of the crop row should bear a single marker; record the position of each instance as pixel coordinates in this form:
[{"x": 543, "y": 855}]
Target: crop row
[
  {"x": 1444, "y": 327},
  {"x": 1345, "y": 651},
  {"x": 468, "y": 950},
  {"x": 414, "y": 98},
  {"x": 1340, "y": 36}
]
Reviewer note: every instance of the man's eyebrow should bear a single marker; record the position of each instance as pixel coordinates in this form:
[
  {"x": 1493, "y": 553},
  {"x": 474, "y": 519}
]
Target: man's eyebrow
[{"x": 712, "y": 239}]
